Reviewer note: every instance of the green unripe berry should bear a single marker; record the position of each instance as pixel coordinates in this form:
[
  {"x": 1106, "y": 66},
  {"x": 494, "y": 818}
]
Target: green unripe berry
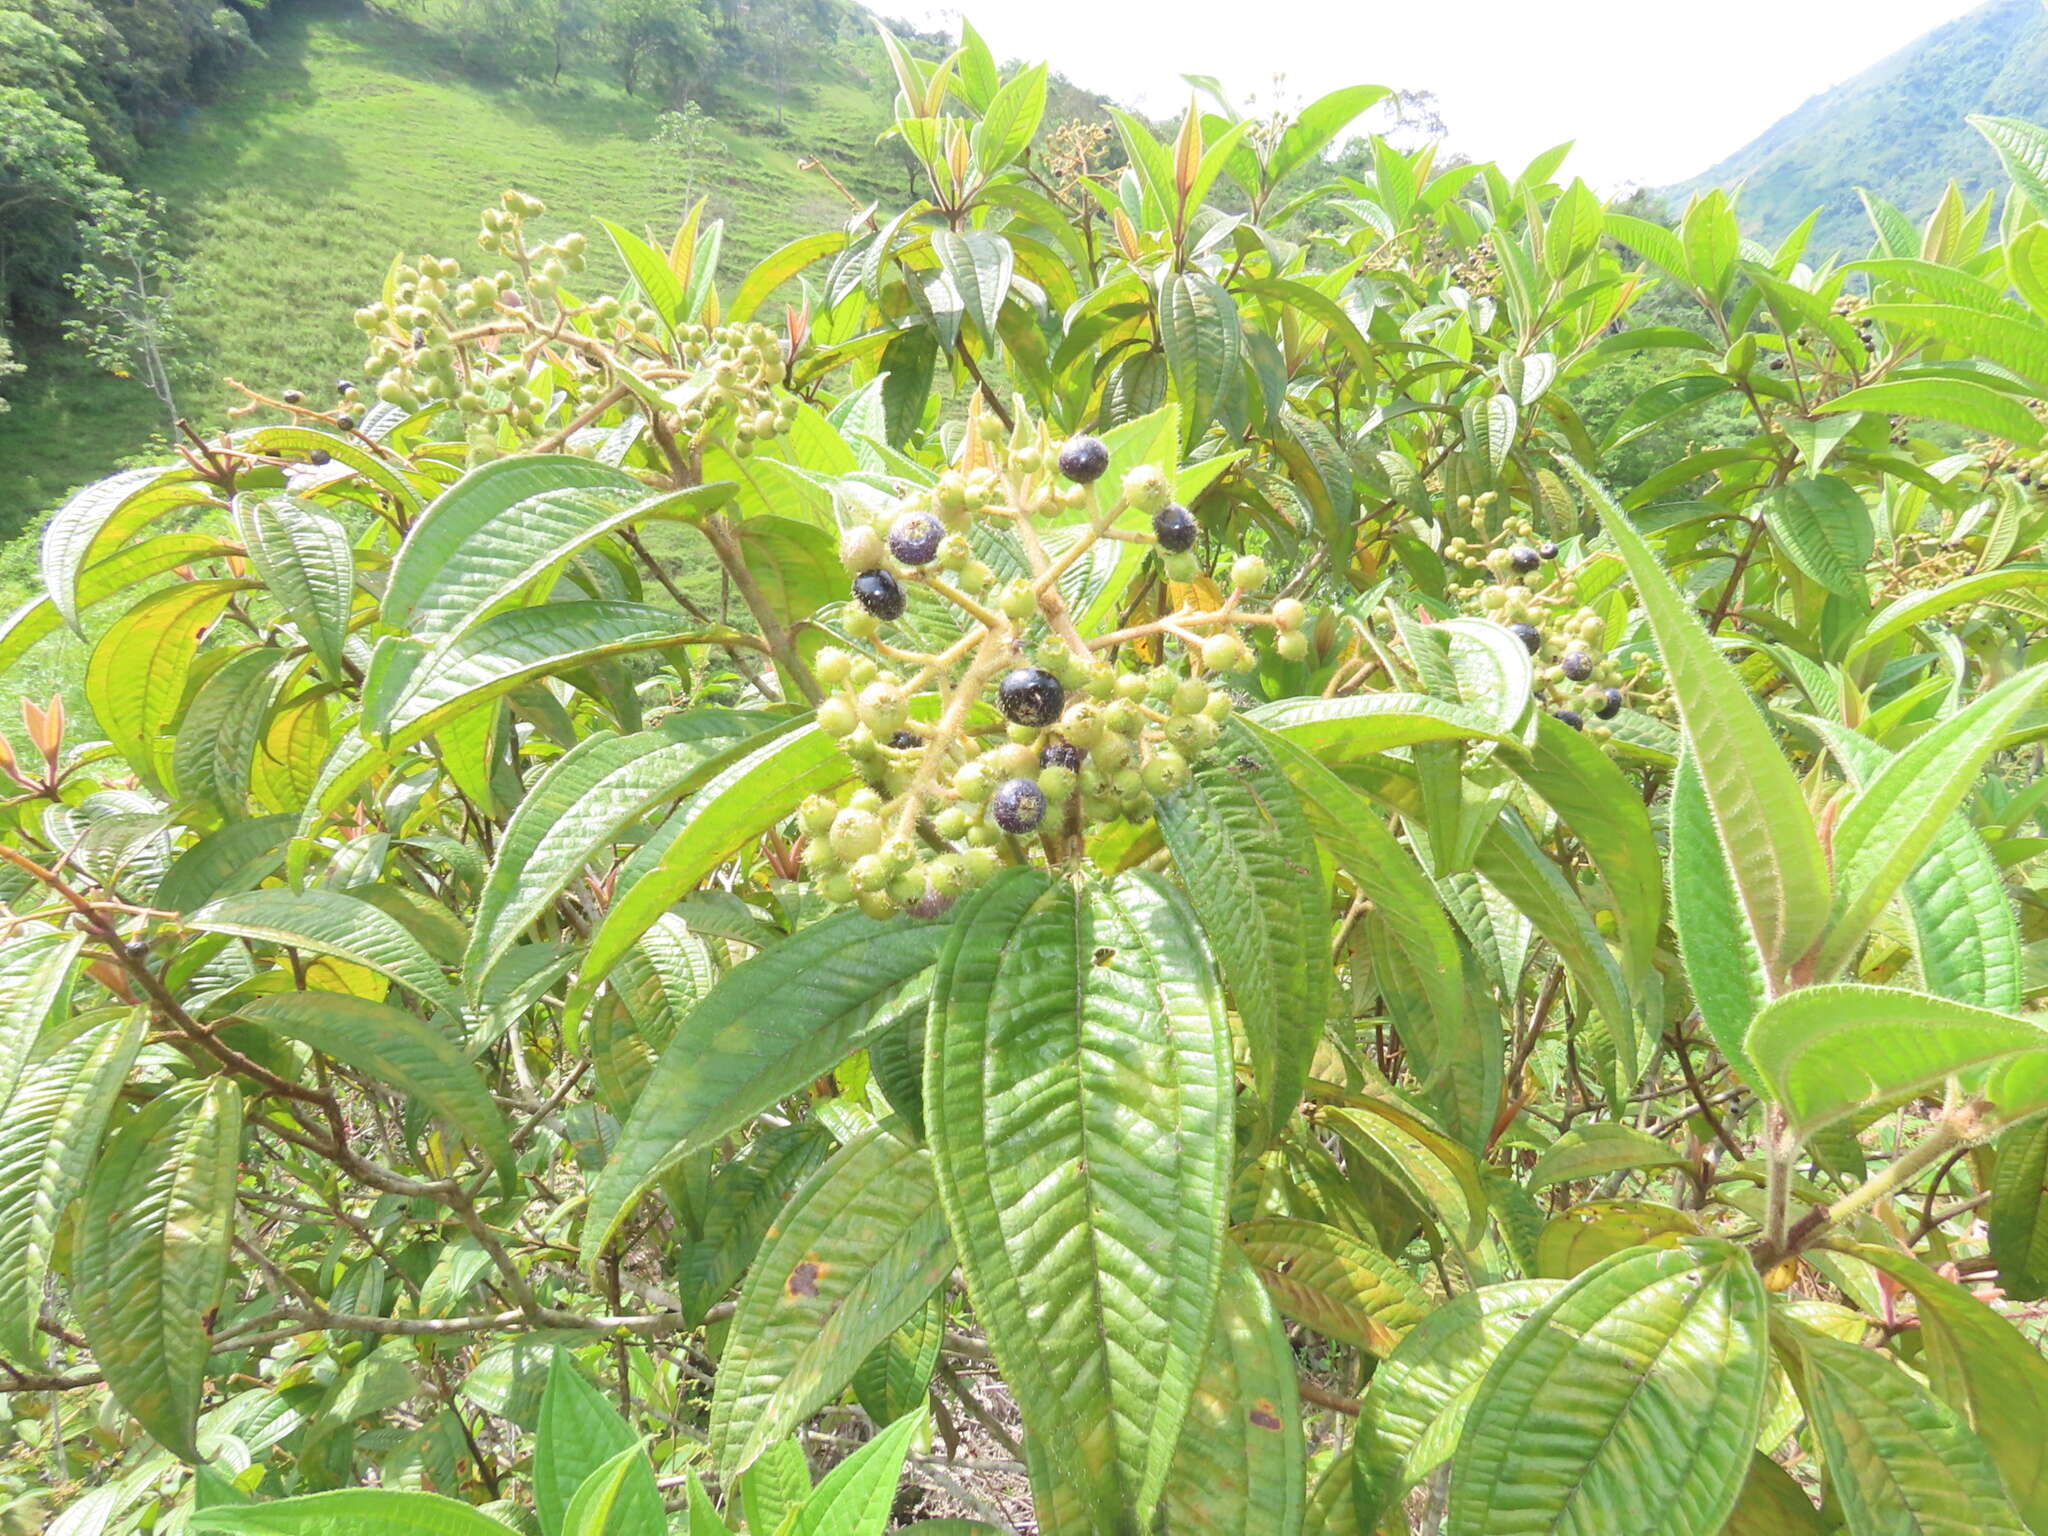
[
  {"x": 1165, "y": 772},
  {"x": 1289, "y": 613},
  {"x": 837, "y": 716},
  {"x": 1292, "y": 645},
  {"x": 855, "y": 833},
  {"x": 1222, "y": 653},
  {"x": 837, "y": 888},
  {"x": 1247, "y": 573},
  {"x": 975, "y": 781},
  {"x": 883, "y": 709},
  {"x": 816, "y": 815},
  {"x": 1147, "y": 489},
  {"x": 833, "y": 666},
  {"x": 1017, "y": 600},
  {"x": 981, "y": 865},
  {"x": 1057, "y": 783},
  {"x": 1190, "y": 697}
]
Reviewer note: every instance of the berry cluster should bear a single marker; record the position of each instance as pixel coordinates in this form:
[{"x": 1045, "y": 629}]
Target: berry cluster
[
  {"x": 1022, "y": 728},
  {"x": 1521, "y": 583},
  {"x": 507, "y": 346}
]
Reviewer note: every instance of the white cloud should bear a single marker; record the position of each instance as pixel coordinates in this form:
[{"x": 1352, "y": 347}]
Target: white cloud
[{"x": 1652, "y": 93}]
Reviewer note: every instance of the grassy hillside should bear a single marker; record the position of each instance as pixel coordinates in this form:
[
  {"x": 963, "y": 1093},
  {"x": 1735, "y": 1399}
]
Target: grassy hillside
[
  {"x": 1896, "y": 129},
  {"x": 357, "y": 135}
]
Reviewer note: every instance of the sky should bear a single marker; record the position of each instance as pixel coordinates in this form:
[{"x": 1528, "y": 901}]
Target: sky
[{"x": 1652, "y": 91}]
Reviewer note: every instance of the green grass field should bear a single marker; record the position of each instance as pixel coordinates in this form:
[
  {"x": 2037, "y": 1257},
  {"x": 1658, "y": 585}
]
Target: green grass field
[{"x": 359, "y": 135}]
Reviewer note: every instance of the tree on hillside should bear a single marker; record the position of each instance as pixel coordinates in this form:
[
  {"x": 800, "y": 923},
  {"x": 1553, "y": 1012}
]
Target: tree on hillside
[
  {"x": 127, "y": 292},
  {"x": 658, "y": 43}
]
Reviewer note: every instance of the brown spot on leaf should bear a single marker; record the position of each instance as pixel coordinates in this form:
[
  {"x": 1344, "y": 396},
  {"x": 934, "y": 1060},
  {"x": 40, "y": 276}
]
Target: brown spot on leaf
[
  {"x": 803, "y": 1280},
  {"x": 1104, "y": 955},
  {"x": 1263, "y": 1416}
]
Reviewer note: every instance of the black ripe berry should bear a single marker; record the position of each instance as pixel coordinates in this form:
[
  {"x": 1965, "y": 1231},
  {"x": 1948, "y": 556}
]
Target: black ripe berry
[
  {"x": 291, "y": 397},
  {"x": 1529, "y": 635},
  {"x": 1031, "y": 696},
  {"x": 1175, "y": 528},
  {"x": 1060, "y": 754},
  {"x": 1547, "y": 550},
  {"x": 1017, "y": 806},
  {"x": 904, "y": 739},
  {"x": 346, "y": 423},
  {"x": 914, "y": 538},
  {"x": 318, "y": 456},
  {"x": 1570, "y": 717},
  {"x": 880, "y": 593},
  {"x": 1524, "y": 559},
  {"x": 1609, "y": 706},
  {"x": 1084, "y": 459},
  {"x": 343, "y": 387},
  {"x": 1577, "y": 665}
]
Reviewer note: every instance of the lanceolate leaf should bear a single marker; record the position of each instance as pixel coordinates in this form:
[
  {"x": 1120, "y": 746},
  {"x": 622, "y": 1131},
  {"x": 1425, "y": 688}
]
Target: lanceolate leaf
[
  {"x": 1077, "y": 1097},
  {"x": 579, "y": 1432},
  {"x": 853, "y": 1257},
  {"x": 856, "y": 1496},
  {"x": 620, "y": 1498},
  {"x": 214, "y": 751},
  {"x": 1984, "y": 1369},
  {"x": 94, "y": 521},
  {"x": 2019, "y": 1211},
  {"x": 577, "y": 810},
  {"x": 1917, "y": 1466},
  {"x": 35, "y": 968},
  {"x": 50, "y": 1128},
  {"x": 1416, "y": 1405},
  {"x": 138, "y": 671},
  {"x": 771, "y": 1026},
  {"x": 1758, "y": 810},
  {"x": 324, "y": 922},
  {"x": 1336, "y": 1283},
  {"x": 1630, "y": 1402},
  {"x": 307, "y": 563},
  {"x": 1721, "y": 958},
  {"x": 1244, "y": 851},
  {"x": 758, "y": 788},
  {"x": 1240, "y": 1467},
  {"x": 401, "y": 1051},
  {"x": 152, "y": 1255},
  {"x": 350, "y": 1512},
  {"x": 1889, "y": 827},
  {"x": 1824, "y": 1052}
]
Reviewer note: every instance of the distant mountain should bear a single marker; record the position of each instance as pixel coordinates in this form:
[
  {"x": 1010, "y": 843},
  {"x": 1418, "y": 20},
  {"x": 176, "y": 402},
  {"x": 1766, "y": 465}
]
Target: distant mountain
[{"x": 1896, "y": 129}]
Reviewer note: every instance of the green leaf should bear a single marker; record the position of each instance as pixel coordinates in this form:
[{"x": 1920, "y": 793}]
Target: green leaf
[
  {"x": 305, "y": 561},
  {"x": 575, "y": 812},
  {"x": 853, "y": 1257},
  {"x": 93, "y": 522},
  {"x": 1917, "y": 1467},
  {"x": 399, "y": 1050},
  {"x": 855, "y": 1497},
  {"x": 137, "y": 673},
  {"x": 777, "y": 1483},
  {"x": 1594, "y": 1151},
  {"x": 50, "y": 1129},
  {"x": 325, "y": 922},
  {"x": 1952, "y": 400},
  {"x": 1332, "y": 1281},
  {"x": 2019, "y": 1233},
  {"x": 579, "y": 1432},
  {"x": 213, "y": 752},
  {"x": 35, "y": 971},
  {"x": 1243, "y": 849},
  {"x": 1415, "y": 1406},
  {"x": 152, "y": 1254},
  {"x": 1199, "y": 329},
  {"x": 1241, "y": 1465},
  {"x": 777, "y": 268},
  {"x": 1772, "y": 1504},
  {"x": 1315, "y": 125},
  {"x": 1010, "y": 120},
  {"x": 1078, "y": 1098},
  {"x": 1721, "y": 960},
  {"x": 350, "y": 1512},
  {"x": 1758, "y": 810},
  {"x": 2023, "y": 151},
  {"x": 1890, "y": 826},
  {"x": 980, "y": 266},
  {"x": 1357, "y": 726},
  {"x": 411, "y": 692},
  {"x": 758, "y": 788},
  {"x": 38, "y": 618},
  {"x": 657, "y": 279},
  {"x": 896, "y": 1376},
  {"x": 1984, "y": 1369},
  {"x": 618, "y": 1499},
  {"x": 772, "y": 1024},
  {"x": 1826, "y": 1051},
  {"x": 1822, "y": 524},
  {"x": 1630, "y": 1402}
]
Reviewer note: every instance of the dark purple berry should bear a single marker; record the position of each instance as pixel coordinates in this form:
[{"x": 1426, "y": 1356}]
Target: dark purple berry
[
  {"x": 933, "y": 903},
  {"x": 1017, "y": 806},
  {"x": 914, "y": 538},
  {"x": 1175, "y": 528},
  {"x": 1577, "y": 665},
  {"x": 1570, "y": 717},
  {"x": 1060, "y": 754},
  {"x": 1529, "y": 635},
  {"x": 346, "y": 423},
  {"x": 343, "y": 387},
  {"x": 1609, "y": 706},
  {"x": 1524, "y": 559},
  {"x": 903, "y": 740},
  {"x": 291, "y": 397},
  {"x": 880, "y": 593},
  {"x": 1031, "y": 696},
  {"x": 1547, "y": 550},
  {"x": 318, "y": 456},
  {"x": 1084, "y": 459}
]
